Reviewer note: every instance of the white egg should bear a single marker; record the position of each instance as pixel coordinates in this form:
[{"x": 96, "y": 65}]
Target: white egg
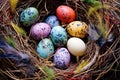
[{"x": 76, "y": 46}]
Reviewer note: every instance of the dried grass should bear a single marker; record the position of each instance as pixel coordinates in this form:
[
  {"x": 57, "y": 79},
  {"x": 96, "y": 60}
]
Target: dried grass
[{"x": 108, "y": 54}]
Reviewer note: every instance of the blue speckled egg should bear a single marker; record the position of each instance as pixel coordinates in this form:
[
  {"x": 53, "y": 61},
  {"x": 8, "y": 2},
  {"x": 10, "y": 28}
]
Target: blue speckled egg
[
  {"x": 45, "y": 48},
  {"x": 28, "y": 16},
  {"x": 59, "y": 36},
  {"x": 62, "y": 58},
  {"x": 52, "y": 21}
]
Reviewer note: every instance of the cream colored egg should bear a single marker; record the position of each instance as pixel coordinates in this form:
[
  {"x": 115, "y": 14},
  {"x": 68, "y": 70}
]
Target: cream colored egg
[{"x": 76, "y": 46}]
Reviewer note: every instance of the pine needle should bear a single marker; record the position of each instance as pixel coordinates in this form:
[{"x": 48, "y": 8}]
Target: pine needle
[{"x": 13, "y": 4}]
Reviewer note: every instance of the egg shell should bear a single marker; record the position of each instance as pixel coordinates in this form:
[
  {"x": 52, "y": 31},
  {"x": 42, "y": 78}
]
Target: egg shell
[
  {"x": 40, "y": 30},
  {"x": 65, "y": 13},
  {"x": 76, "y": 46},
  {"x": 77, "y": 29},
  {"x": 52, "y": 20},
  {"x": 62, "y": 58},
  {"x": 29, "y": 16},
  {"x": 45, "y": 48},
  {"x": 59, "y": 36}
]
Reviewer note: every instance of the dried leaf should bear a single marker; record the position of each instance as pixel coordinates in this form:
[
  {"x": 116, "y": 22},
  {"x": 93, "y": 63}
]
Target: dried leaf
[
  {"x": 12, "y": 53},
  {"x": 93, "y": 32},
  {"x": 110, "y": 37},
  {"x": 13, "y": 4},
  {"x": 101, "y": 41},
  {"x": 100, "y": 25},
  {"x": 19, "y": 30},
  {"x": 95, "y": 35},
  {"x": 81, "y": 65},
  {"x": 49, "y": 72},
  {"x": 10, "y": 41}
]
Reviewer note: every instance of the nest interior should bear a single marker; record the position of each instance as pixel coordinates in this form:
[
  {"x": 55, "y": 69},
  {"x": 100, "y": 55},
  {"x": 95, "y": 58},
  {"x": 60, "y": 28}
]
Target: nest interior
[{"x": 106, "y": 62}]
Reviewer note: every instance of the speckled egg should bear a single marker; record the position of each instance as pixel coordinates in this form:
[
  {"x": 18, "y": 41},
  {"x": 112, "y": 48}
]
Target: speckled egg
[
  {"x": 40, "y": 30},
  {"x": 45, "y": 48},
  {"x": 65, "y": 13},
  {"x": 59, "y": 36},
  {"x": 77, "y": 29},
  {"x": 52, "y": 20},
  {"x": 76, "y": 46},
  {"x": 29, "y": 16},
  {"x": 62, "y": 58}
]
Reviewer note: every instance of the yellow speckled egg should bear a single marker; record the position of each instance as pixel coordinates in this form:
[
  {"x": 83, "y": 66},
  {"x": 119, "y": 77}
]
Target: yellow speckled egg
[{"x": 77, "y": 29}]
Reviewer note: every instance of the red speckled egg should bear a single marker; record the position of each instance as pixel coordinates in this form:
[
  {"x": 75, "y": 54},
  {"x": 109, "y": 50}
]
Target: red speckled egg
[{"x": 65, "y": 14}]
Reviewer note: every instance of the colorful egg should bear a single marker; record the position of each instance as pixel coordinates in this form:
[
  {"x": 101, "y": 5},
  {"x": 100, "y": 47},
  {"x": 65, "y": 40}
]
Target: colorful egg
[
  {"x": 29, "y": 16},
  {"x": 62, "y": 58},
  {"x": 45, "y": 48},
  {"x": 76, "y": 46},
  {"x": 77, "y": 29},
  {"x": 65, "y": 13},
  {"x": 52, "y": 21},
  {"x": 40, "y": 30},
  {"x": 59, "y": 36}
]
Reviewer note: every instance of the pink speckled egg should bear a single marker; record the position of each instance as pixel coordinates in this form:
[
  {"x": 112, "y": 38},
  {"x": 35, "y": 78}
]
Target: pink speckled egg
[
  {"x": 40, "y": 30},
  {"x": 62, "y": 58}
]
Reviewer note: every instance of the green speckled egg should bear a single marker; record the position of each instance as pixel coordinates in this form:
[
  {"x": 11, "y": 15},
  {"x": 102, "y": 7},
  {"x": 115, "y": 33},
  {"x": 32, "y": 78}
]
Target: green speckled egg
[
  {"x": 45, "y": 48},
  {"x": 29, "y": 16},
  {"x": 59, "y": 36}
]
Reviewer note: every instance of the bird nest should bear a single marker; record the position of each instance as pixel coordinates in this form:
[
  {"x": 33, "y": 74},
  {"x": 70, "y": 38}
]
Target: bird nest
[{"x": 102, "y": 56}]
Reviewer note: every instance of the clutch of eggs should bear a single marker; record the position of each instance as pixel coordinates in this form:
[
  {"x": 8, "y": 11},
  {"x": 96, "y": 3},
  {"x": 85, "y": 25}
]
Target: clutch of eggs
[
  {"x": 77, "y": 29},
  {"x": 59, "y": 36},
  {"x": 65, "y": 13},
  {"x": 40, "y": 30},
  {"x": 29, "y": 16},
  {"x": 76, "y": 46},
  {"x": 45, "y": 48},
  {"x": 52, "y": 20},
  {"x": 62, "y": 58}
]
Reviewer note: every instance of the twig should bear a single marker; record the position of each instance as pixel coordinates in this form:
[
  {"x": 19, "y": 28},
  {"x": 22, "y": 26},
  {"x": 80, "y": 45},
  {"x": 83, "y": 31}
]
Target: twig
[{"x": 92, "y": 61}]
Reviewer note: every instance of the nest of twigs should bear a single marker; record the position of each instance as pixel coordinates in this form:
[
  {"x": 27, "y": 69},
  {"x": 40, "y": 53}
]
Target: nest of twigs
[{"x": 107, "y": 57}]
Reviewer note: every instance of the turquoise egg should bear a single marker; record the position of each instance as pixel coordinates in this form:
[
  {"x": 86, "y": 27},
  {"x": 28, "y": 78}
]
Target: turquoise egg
[
  {"x": 45, "y": 48},
  {"x": 52, "y": 20},
  {"x": 29, "y": 16},
  {"x": 59, "y": 36}
]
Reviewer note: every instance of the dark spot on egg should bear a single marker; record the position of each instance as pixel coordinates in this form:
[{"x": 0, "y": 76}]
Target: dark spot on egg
[
  {"x": 43, "y": 28},
  {"x": 59, "y": 35},
  {"x": 78, "y": 25},
  {"x": 72, "y": 23},
  {"x": 69, "y": 17}
]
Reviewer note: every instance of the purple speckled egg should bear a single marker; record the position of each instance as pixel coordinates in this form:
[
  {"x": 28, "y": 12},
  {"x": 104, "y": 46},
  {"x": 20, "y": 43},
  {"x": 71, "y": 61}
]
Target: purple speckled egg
[
  {"x": 40, "y": 30},
  {"x": 62, "y": 58}
]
